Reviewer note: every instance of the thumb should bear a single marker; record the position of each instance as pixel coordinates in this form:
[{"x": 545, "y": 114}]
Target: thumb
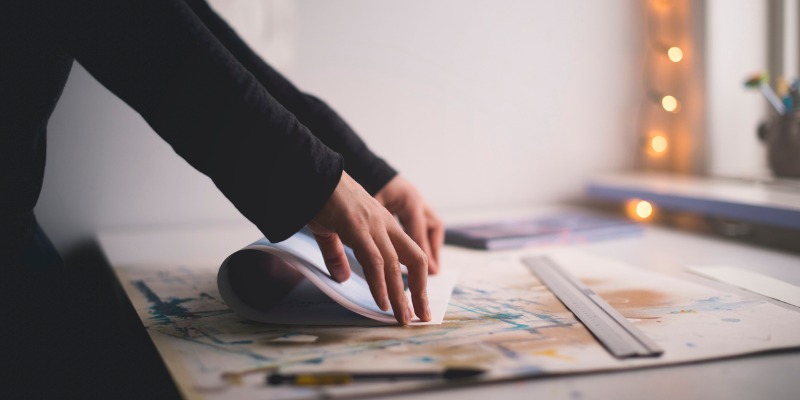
[{"x": 333, "y": 253}]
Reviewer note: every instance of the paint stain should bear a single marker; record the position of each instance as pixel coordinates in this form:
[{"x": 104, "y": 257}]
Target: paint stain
[
  {"x": 466, "y": 355},
  {"x": 544, "y": 340},
  {"x": 592, "y": 281},
  {"x": 684, "y": 312},
  {"x": 731, "y": 319},
  {"x": 160, "y": 310},
  {"x": 553, "y": 353},
  {"x": 504, "y": 316},
  {"x": 714, "y": 299},
  {"x": 690, "y": 345},
  {"x": 635, "y": 299},
  {"x": 296, "y": 338}
]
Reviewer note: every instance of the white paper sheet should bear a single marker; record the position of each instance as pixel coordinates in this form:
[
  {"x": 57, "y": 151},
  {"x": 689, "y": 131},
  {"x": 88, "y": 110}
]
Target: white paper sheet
[
  {"x": 320, "y": 300},
  {"x": 751, "y": 281}
]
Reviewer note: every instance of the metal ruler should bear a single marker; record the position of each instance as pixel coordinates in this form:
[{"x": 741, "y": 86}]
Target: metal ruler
[{"x": 613, "y": 330}]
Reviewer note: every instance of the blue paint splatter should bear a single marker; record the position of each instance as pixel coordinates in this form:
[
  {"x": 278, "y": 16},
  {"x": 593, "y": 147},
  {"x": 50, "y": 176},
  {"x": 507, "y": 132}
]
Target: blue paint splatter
[
  {"x": 731, "y": 319},
  {"x": 549, "y": 318},
  {"x": 220, "y": 341},
  {"x": 710, "y": 300},
  {"x": 690, "y": 345},
  {"x": 506, "y": 351},
  {"x": 163, "y": 310},
  {"x": 425, "y": 359},
  {"x": 504, "y": 316}
]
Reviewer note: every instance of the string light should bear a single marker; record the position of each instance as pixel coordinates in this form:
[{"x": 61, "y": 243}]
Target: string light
[
  {"x": 661, "y": 122},
  {"x": 670, "y": 103},
  {"x": 658, "y": 143},
  {"x": 644, "y": 209},
  {"x": 675, "y": 54},
  {"x": 639, "y": 210}
]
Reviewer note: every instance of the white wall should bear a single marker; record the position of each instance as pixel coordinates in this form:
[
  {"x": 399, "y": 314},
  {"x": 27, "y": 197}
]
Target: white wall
[
  {"x": 736, "y": 42},
  {"x": 481, "y": 103}
]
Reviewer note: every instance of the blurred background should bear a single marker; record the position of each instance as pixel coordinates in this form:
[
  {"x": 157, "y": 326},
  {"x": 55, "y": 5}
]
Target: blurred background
[{"x": 480, "y": 103}]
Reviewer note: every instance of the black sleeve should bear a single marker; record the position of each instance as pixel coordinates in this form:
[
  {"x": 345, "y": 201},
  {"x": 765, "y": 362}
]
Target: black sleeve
[
  {"x": 160, "y": 58},
  {"x": 363, "y": 165}
]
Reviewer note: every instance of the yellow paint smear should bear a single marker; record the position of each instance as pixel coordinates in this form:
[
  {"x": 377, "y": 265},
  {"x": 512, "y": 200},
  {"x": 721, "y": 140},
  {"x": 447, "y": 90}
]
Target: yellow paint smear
[{"x": 553, "y": 353}]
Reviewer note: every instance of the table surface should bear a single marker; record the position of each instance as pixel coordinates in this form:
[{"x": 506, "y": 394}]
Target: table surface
[{"x": 658, "y": 249}]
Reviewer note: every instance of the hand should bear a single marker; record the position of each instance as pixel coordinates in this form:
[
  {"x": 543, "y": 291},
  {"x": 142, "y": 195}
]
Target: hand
[
  {"x": 352, "y": 216},
  {"x": 419, "y": 220}
]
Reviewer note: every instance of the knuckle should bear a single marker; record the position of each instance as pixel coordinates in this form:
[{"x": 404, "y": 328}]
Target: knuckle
[
  {"x": 419, "y": 258},
  {"x": 393, "y": 266},
  {"x": 375, "y": 261}
]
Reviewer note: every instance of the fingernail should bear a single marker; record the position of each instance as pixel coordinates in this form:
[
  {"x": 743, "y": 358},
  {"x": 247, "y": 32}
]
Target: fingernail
[
  {"x": 339, "y": 276},
  {"x": 384, "y": 304},
  {"x": 410, "y": 311},
  {"x": 428, "y": 314}
]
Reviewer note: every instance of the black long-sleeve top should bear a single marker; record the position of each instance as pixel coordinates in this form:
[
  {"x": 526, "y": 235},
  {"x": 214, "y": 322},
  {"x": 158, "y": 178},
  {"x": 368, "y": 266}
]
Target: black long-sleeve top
[{"x": 275, "y": 152}]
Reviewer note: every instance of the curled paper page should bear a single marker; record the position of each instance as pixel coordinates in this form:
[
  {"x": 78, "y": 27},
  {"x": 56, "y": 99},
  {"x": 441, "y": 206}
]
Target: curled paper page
[{"x": 288, "y": 283}]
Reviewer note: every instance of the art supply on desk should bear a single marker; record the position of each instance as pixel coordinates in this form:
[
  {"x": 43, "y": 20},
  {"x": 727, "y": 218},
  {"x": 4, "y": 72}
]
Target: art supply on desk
[
  {"x": 542, "y": 230},
  {"x": 794, "y": 93},
  {"x": 340, "y": 378},
  {"x": 760, "y": 81},
  {"x": 613, "y": 330}
]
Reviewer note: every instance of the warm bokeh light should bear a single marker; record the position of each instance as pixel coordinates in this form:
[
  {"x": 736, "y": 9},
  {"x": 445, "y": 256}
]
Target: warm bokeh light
[
  {"x": 669, "y": 103},
  {"x": 675, "y": 54},
  {"x": 639, "y": 210},
  {"x": 658, "y": 143},
  {"x": 644, "y": 209},
  {"x": 660, "y": 5}
]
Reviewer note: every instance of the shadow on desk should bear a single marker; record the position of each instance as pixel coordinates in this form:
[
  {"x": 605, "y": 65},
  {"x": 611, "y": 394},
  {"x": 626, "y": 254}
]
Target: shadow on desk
[{"x": 73, "y": 334}]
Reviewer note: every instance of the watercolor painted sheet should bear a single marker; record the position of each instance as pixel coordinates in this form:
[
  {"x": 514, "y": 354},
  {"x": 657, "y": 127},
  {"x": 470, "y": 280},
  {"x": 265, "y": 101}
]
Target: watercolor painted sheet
[{"x": 499, "y": 318}]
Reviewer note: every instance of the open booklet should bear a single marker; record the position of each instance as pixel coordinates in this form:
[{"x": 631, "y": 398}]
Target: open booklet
[{"x": 288, "y": 283}]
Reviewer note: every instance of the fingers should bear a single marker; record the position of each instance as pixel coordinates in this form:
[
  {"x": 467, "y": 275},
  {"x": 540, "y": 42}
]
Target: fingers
[
  {"x": 394, "y": 278},
  {"x": 417, "y": 263},
  {"x": 333, "y": 253},
  {"x": 380, "y": 253},
  {"x": 371, "y": 260},
  {"x": 354, "y": 217}
]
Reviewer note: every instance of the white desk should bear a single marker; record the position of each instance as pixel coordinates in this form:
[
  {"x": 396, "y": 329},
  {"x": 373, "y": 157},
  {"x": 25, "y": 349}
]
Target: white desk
[{"x": 764, "y": 376}]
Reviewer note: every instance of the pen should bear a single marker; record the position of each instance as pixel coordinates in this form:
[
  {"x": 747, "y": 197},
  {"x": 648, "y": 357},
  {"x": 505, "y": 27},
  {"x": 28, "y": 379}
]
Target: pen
[
  {"x": 340, "y": 378},
  {"x": 760, "y": 81}
]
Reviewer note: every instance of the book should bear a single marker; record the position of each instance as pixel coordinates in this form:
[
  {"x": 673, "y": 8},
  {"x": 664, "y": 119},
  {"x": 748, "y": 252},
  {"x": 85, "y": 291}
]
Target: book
[
  {"x": 542, "y": 230},
  {"x": 288, "y": 283}
]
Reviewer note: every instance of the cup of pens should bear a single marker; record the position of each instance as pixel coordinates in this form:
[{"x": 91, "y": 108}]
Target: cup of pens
[{"x": 781, "y": 133}]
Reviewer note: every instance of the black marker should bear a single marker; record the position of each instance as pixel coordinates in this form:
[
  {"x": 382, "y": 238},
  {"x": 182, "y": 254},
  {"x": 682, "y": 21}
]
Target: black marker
[{"x": 338, "y": 378}]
